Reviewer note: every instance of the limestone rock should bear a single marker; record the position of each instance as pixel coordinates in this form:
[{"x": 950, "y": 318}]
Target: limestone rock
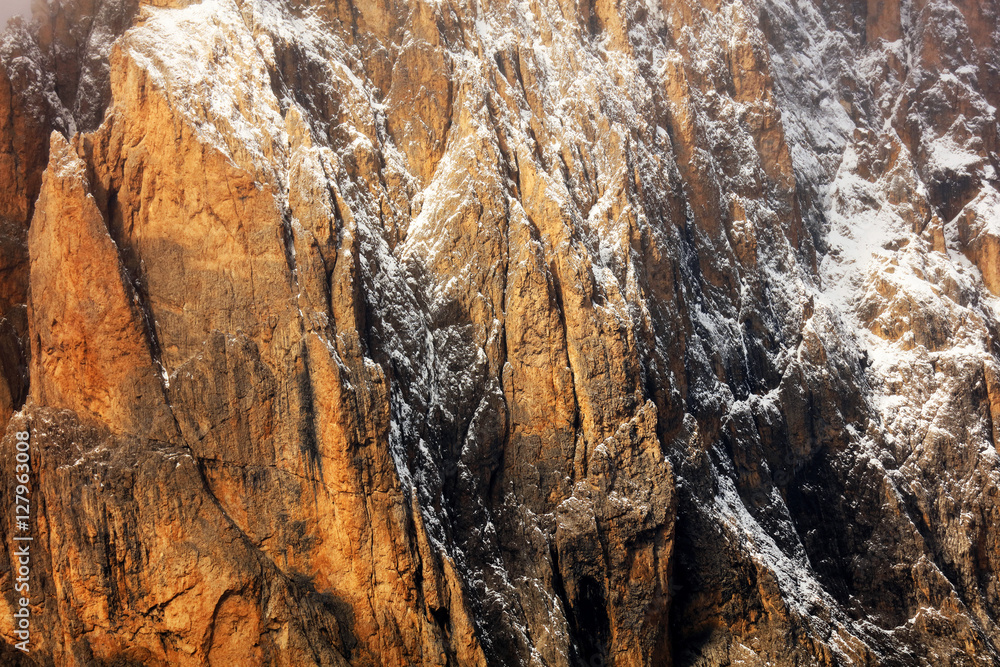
[
  {"x": 90, "y": 353},
  {"x": 539, "y": 333}
]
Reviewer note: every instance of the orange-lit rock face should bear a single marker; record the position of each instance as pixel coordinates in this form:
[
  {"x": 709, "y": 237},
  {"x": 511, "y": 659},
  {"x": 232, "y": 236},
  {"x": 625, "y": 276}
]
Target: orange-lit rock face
[
  {"x": 546, "y": 333},
  {"x": 90, "y": 351}
]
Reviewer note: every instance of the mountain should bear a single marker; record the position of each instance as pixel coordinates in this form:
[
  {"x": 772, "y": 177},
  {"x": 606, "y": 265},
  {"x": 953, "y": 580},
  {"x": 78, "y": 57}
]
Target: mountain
[{"x": 496, "y": 332}]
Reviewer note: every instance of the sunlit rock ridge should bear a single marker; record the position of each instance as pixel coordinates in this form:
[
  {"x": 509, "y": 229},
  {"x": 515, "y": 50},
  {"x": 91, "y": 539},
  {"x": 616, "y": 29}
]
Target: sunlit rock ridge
[{"x": 494, "y": 332}]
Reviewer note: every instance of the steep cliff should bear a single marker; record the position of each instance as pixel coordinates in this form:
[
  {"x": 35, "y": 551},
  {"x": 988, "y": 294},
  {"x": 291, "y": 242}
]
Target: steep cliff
[{"x": 477, "y": 332}]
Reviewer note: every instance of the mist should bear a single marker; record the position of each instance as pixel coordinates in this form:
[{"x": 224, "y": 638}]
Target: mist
[{"x": 11, "y": 8}]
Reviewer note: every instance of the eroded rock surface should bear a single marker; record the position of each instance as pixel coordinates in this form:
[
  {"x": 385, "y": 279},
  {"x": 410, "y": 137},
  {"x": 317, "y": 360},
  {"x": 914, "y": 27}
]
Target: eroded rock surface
[{"x": 539, "y": 333}]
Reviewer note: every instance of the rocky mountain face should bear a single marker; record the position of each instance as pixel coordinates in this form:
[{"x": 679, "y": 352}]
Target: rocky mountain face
[{"x": 482, "y": 332}]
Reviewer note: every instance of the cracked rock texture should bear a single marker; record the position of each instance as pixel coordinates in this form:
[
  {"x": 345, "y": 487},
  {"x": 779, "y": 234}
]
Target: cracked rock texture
[{"x": 481, "y": 332}]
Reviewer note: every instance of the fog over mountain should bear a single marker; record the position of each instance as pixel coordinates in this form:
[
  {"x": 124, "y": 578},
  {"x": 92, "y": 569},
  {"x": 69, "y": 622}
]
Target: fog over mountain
[{"x": 11, "y": 8}]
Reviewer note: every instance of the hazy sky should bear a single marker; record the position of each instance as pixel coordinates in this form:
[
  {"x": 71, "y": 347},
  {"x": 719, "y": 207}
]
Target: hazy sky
[{"x": 10, "y": 8}]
